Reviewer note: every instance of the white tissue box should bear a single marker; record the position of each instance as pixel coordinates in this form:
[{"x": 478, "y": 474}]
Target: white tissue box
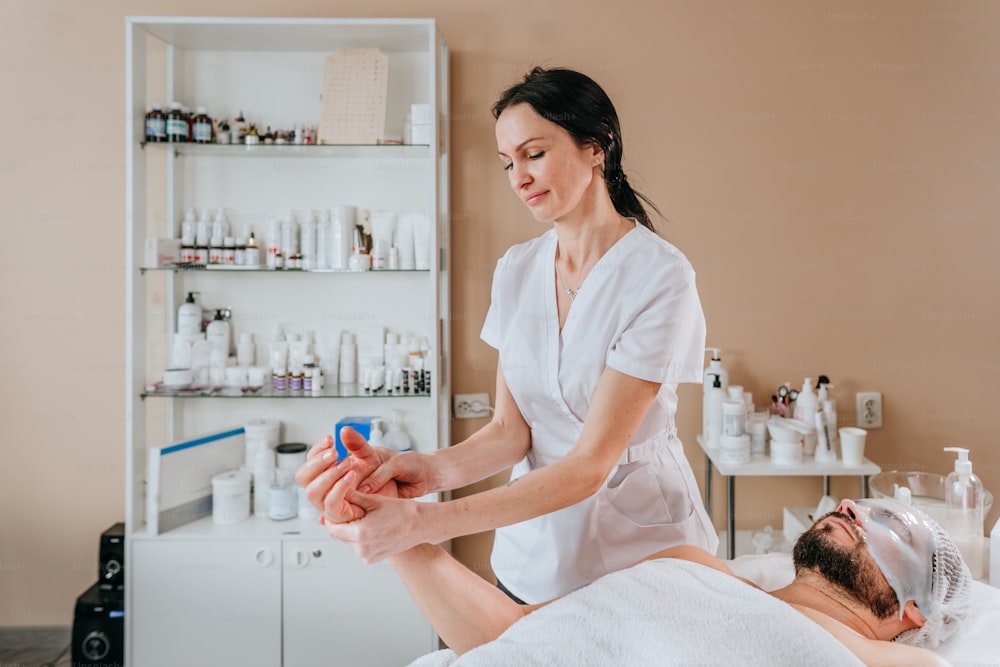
[
  {"x": 795, "y": 521},
  {"x": 162, "y": 253}
]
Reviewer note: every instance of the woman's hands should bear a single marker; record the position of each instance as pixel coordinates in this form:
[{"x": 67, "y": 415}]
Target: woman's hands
[
  {"x": 321, "y": 473},
  {"x": 377, "y": 519}
]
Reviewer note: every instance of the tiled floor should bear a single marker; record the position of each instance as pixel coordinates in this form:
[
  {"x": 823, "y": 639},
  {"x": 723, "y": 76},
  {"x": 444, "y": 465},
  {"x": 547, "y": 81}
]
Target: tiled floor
[{"x": 35, "y": 647}]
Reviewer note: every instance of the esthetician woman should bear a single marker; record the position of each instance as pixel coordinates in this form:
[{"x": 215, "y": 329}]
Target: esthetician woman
[{"x": 596, "y": 322}]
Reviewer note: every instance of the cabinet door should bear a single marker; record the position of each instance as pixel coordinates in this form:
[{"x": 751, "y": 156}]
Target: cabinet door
[
  {"x": 198, "y": 602},
  {"x": 340, "y": 611}
]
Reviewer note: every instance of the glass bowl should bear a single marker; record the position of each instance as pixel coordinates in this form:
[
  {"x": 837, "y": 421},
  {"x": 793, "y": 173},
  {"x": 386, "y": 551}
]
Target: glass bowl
[{"x": 926, "y": 490}]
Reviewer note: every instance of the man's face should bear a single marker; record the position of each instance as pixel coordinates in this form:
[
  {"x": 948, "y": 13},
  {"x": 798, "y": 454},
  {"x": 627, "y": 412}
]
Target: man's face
[
  {"x": 834, "y": 548},
  {"x": 884, "y": 542}
]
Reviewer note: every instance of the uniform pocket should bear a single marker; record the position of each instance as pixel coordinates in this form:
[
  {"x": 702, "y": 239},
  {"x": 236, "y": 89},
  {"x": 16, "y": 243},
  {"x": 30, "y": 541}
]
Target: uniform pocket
[{"x": 646, "y": 511}]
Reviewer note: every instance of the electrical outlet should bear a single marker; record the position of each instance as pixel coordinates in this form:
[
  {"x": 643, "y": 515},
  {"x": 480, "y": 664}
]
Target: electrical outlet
[
  {"x": 869, "y": 409},
  {"x": 471, "y": 406}
]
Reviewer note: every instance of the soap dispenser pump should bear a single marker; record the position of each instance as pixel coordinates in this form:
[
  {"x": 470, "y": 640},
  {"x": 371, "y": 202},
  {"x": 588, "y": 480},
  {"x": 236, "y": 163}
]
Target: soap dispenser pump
[
  {"x": 396, "y": 438},
  {"x": 189, "y": 317},
  {"x": 963, "y": 499},
  {"x": 715, "y": 368}
]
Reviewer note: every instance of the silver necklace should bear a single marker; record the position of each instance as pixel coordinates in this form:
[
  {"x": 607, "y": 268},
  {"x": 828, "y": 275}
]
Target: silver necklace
[{"x": 568, "y": 291}]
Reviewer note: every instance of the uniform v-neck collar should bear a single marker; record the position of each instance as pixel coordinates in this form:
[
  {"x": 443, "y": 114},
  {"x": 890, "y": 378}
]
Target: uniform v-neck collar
[{"x": 605, "y": 265}]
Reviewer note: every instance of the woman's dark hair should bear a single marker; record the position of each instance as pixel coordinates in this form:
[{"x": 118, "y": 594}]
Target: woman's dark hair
[{"x": 576, "y": 103}]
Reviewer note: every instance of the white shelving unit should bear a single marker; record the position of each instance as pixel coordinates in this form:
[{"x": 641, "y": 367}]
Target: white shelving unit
[{"x": 265, "y": 592}]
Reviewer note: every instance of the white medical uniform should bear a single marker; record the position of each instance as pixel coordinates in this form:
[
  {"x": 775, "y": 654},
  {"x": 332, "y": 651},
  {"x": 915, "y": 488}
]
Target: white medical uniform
[{"x": 637, "y": 312}]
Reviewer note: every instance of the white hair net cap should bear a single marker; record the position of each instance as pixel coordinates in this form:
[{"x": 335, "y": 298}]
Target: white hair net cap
[{"x": 951, "y": 587}]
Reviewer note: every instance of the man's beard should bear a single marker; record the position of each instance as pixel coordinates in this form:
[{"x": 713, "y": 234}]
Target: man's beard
[{"x": 846, "y": 567}]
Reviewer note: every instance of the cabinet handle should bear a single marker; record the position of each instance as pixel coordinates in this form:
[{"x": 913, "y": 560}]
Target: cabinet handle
[
  {"x": 264, "y": 557},
  {"x": 301, "y": 558}
]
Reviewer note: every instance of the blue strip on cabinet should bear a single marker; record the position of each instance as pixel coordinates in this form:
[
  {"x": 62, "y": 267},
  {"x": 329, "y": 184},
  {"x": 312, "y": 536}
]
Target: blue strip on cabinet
[{"x": 200, "y": 441}]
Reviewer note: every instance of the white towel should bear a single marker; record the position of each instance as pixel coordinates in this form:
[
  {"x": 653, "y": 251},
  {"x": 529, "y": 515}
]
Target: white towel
[{"x": 662, "y": 612}]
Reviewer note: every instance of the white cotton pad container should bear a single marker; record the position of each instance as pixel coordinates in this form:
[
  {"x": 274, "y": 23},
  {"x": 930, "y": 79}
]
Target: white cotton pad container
[
  {"x": 734, "y": 449},
  {"x": 231, "y": 497},
  {"x": 260, "y": 434}
]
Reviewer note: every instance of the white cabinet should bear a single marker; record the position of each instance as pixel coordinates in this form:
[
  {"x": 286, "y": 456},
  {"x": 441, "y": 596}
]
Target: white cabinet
[
  {"x": 205, "y": 603},
  {"x": 369, "y": 610},
  {"x": 274, "y": 592}
]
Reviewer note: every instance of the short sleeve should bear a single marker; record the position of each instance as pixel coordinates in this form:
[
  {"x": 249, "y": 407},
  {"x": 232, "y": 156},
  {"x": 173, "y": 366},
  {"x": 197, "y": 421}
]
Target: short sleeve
[
  {"x": 490, "y": 333},
  {"x": 665, "y": 339}
]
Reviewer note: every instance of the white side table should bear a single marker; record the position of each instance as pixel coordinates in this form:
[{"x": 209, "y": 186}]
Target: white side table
[{"x": 760, "y": 466}]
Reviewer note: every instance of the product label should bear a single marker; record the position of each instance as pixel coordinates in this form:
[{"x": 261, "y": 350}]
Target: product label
[
  {"x": 156, "y": 128},
  {"x": 202, "y": 132},
  {"x": 177, "y": 128}
]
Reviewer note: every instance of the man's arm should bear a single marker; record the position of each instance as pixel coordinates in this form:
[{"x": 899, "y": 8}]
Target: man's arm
[{"x": 465, "y": 610}]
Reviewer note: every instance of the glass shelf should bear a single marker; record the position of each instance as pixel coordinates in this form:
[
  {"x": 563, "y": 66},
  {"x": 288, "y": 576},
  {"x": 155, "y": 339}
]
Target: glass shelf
[
  {"x": 293, "y": 150},
  {"x": 330, "y": 391},
  {"x": 264, "y": 269}
]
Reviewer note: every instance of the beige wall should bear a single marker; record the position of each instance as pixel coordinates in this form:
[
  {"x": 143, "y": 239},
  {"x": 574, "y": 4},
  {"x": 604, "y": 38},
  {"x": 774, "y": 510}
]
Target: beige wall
[{"x": 829, "y": 168}]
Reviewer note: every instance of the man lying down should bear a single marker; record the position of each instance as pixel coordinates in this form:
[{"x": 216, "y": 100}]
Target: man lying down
[
  {"x": 876, "y": 583},
  {"x": 874, "y": 578}
]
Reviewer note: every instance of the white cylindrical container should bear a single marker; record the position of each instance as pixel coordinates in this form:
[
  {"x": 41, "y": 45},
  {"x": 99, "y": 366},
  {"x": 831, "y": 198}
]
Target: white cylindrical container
[
  {"x": 245, "y": 350},
  {"x": 291, "y": 455},
  {"x": 263, "y": 477},
  {"x": 231, "y": 496},
  {"x": 423, "y": 232},
  {"x": 342, "y": 219},
  {"x": 734, "y": 415},
  {"x": 404, "y": 241},
  {"x": 348, "y": 362},
  {"x": 322, "y": 260},
  {"x": 308, "y": 249},
  {"x": 734, "y": 450},
  {"x": 786, "y": 453},
  {"x": 289, "y": 239},
  {"x": 757, "y": 430},
  {"x": 284, "y": 497},
  {"x": 260, "y": 434},
  {"x": 734, "y": 392}
]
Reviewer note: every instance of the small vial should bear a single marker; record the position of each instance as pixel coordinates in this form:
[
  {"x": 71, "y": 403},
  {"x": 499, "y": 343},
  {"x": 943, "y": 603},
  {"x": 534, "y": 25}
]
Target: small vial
[
  {"x": 200, "y": 255},
  {"x": 229, "y": 251},
  {"x": 240, "y": 256},
  {"x": 215, "y": 251}
]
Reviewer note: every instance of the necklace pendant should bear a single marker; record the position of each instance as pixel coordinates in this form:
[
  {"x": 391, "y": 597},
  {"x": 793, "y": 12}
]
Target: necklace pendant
[{"x": 571, "y": 293}]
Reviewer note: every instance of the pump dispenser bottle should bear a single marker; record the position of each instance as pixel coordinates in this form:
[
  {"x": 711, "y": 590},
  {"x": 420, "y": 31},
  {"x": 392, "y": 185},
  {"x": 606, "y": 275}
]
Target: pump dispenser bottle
[
  {"x": 712, "y": 413},
  {"x": 189, "y": 317},
  {"x": 715, "y": 368},
  {"x": 963, "y": 499},
  {"x": 396, "y": 438},
  {"x": 713, "y": 371}
]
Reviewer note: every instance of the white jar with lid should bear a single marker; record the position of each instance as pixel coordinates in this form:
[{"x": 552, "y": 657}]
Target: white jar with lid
[{"x": 231, "y": 497}]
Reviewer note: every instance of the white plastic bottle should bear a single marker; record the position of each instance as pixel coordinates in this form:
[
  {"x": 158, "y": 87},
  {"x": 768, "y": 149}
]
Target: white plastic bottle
[
  {"x": 712, "y": 409},
  {"x": 263, "y": 477},
  {"x": 963, "y": 499},
  {"x": 713, "y": 370},
  {"x": 396, "y": 438},
  {"x": 217, "y": 332},
  {"x": 189, "y": 317},
  {"x": 348, "y": 359},
  {"x": 806, "y": 407}
]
